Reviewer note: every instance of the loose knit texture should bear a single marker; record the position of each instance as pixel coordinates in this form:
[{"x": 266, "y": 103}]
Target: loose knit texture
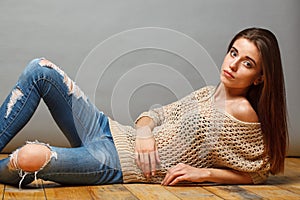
[{"x": 193, "y": 131}]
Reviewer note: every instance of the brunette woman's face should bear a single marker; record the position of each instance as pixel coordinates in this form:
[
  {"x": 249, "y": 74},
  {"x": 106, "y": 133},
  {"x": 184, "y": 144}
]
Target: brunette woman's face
[{"x": 242, "y": 65}]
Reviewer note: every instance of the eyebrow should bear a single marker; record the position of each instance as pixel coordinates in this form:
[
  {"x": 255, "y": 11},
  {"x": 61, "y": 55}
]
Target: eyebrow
[{"x": 246, "y": 56}]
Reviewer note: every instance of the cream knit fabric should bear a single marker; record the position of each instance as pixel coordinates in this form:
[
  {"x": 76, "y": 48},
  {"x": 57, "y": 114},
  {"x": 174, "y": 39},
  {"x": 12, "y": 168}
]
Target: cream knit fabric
[{"x": 194, "y": 132}]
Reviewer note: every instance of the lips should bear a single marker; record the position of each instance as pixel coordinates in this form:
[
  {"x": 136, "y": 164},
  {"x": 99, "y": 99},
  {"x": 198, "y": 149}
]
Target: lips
[{"x": 228, "y": 74}]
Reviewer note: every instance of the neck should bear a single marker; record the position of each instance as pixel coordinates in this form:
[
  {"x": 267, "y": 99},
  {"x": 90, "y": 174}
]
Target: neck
[{"x": 225, "y": 93}]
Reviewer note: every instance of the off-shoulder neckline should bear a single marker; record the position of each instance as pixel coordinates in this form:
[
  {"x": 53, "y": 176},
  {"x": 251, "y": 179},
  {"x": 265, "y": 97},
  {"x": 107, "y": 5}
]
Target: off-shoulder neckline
[{"x": 209, "y": 97}]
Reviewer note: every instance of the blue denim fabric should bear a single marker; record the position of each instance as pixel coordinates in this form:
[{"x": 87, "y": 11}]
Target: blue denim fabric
[{"x": 93, "y": 158}]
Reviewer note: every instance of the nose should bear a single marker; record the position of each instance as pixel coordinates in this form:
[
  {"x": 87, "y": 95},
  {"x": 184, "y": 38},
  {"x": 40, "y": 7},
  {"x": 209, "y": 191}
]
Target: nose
[{"x": 234, "y": 65}]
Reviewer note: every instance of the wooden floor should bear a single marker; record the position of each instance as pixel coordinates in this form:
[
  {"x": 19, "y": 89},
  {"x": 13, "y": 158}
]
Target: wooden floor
[{"x": 285, "y": 186}]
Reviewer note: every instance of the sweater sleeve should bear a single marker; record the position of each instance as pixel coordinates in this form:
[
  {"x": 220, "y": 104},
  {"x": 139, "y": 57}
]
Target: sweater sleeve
[
  {"x": 158, "y": 115},
  {"x": 259, "y": 177}
]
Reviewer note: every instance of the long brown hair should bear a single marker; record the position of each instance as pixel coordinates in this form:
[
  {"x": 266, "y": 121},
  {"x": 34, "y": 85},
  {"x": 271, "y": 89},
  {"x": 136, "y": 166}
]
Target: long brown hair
[{"x": 268, "y": 98}]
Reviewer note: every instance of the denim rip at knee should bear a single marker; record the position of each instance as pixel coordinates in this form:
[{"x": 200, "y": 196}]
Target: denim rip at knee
[{"x": 14, "y": 162}]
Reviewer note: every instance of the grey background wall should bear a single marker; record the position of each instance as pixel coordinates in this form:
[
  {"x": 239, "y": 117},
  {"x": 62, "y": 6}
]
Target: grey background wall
[{"x": 166, "y": 37}]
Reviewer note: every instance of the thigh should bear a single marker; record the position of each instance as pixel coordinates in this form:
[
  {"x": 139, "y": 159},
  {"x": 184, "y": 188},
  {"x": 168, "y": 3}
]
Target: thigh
[
  {"x": 96, "y": 163},
  {"x": 78, "y": 118}
]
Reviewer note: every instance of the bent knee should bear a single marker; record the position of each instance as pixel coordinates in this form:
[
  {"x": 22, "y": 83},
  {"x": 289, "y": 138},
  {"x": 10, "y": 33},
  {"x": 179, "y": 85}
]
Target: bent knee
[{"x": 31, "y": 157}]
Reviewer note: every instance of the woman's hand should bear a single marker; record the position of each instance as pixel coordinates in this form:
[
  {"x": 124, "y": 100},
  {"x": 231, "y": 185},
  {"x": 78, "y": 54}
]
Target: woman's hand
[
  {"x": 146, "y": 154},
  {"x": 183, "y": 172}
]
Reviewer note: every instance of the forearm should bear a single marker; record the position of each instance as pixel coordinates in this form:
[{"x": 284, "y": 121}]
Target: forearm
[
  {"x": 228, "y": 176},
  {"x": 184, "y": 172}
]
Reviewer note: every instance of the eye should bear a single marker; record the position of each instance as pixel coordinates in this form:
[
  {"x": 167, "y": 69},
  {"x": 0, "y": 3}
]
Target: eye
[
  {"x": 233, "y": 53},
  {"x": 248, "y": 64}
]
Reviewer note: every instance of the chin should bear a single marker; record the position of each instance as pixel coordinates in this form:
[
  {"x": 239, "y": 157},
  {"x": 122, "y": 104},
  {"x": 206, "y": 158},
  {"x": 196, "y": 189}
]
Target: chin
[{"x": 226, "y": 82}]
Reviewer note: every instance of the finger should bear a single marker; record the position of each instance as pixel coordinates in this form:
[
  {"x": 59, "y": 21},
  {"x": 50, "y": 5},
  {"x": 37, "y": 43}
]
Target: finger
[
  {"x": 171, "y": 175},
  {"x": 177, "y": 180},
  {"x": 167, "y": 178},
  {"x": 146, "y": 165},
  {"x": 137, "y": 159},
  {"x": 152, "y": 162},
  {"x": 141, "y": 161}
]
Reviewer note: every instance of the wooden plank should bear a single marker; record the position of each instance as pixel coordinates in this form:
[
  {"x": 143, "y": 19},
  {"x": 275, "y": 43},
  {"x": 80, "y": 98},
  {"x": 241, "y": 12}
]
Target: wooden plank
[
  {"x": 3, "y": 156},
  {"x": 2, "y": 189},
  {"x": 290, "y": 180},
  {"x": 116, "y": 192},
  {"x": 31, "y": 191},
  {"x": 231, "y": 192},
  {"x": 271, "y": 192},
  {"x": 1, "y": 185},
  {"x": 56, "y": 191},
  {"x": 191, "y": 192},
  {"x": 150, "y": 191},
  {"x": 291, "y": 184}
]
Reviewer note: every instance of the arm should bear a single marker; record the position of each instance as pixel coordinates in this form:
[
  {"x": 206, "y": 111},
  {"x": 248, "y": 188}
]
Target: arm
[
  {"x": 183, "y": 172},
  {"x": 145, "y": 121},
  {"x": 146, "y": 154},
  {"x": 160, "y": 114}
]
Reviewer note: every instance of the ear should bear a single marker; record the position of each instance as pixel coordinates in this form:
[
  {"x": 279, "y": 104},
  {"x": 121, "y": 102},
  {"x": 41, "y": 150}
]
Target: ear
[{"x": 259, "y": 80}]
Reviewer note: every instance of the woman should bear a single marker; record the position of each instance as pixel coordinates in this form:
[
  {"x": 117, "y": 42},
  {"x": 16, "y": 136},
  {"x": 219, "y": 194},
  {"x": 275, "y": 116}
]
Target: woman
[{"x": 235, "y": 133}]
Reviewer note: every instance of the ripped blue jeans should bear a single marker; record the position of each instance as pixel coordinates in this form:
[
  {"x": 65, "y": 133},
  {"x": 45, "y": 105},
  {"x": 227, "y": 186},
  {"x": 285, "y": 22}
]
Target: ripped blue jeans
[{"x": 91, "y": 160}]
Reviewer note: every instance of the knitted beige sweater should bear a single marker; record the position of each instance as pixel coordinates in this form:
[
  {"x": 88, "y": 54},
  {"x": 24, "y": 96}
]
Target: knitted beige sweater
[{"x": 194, "y": 132}]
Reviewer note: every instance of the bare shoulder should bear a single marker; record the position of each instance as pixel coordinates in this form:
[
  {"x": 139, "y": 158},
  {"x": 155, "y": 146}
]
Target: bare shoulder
[{"x": 242, "y": 110}]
